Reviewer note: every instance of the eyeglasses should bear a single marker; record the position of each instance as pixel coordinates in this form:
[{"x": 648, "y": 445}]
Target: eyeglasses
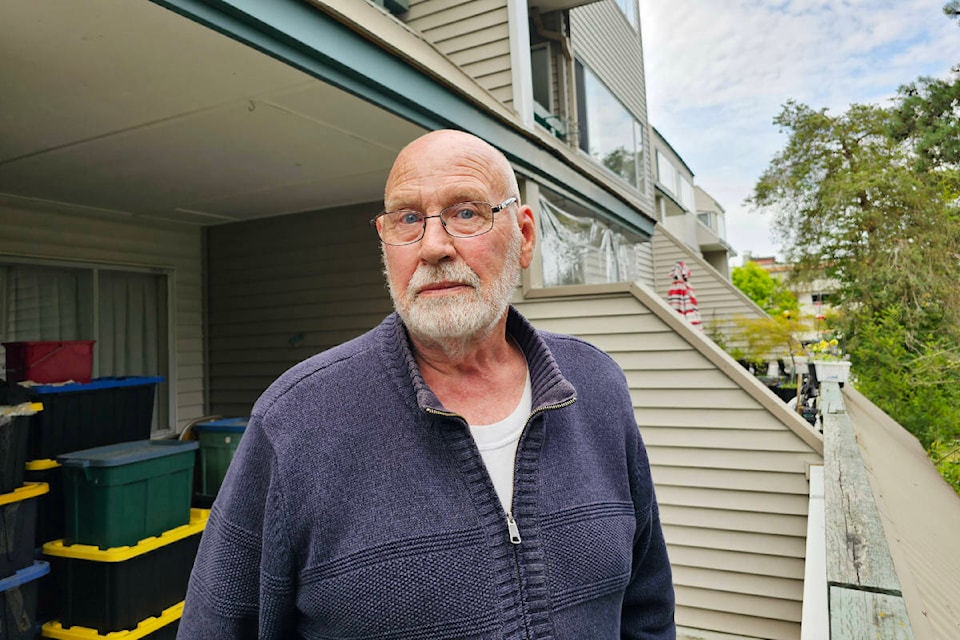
[{"x": 461, "y": 220}]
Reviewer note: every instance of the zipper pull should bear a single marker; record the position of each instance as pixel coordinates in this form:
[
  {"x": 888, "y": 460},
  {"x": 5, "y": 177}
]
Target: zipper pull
[{"x": 513, "y": 529}]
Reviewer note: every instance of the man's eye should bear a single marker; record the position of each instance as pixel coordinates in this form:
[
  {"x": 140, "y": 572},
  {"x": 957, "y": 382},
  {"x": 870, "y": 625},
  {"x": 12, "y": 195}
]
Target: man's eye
[
  {"x": 464, "y": 213},
  {"x": 408, "y": 217}
]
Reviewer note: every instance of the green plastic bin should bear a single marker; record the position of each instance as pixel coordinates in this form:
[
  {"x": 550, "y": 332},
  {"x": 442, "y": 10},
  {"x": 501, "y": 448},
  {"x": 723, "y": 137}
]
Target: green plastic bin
[
  {"x": 120, "y": 494},
  {"x": 218, "y": 442}
]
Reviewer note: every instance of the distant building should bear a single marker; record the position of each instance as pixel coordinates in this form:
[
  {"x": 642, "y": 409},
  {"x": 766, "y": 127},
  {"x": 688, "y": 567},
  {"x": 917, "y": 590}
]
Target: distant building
[{"x": 687, "y": 211}]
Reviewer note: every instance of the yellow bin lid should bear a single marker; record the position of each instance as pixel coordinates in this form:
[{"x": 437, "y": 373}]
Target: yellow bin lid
[
  {"x": 198, "y": 520},
  {"x": 27, "y": 491},
  {"x": 54, "y": 629}
]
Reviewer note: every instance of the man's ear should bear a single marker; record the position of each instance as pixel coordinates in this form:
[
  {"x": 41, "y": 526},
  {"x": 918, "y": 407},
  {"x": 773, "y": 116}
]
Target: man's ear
[{"x": 528, "y": 234}]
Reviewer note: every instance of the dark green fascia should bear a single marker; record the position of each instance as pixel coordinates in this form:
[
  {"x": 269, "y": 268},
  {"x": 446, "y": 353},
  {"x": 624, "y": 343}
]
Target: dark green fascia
[{"x": 306, "y": 38}]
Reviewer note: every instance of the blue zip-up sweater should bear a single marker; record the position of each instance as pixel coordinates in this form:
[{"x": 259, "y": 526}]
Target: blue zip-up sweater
[{"x": 357, "y": 507}]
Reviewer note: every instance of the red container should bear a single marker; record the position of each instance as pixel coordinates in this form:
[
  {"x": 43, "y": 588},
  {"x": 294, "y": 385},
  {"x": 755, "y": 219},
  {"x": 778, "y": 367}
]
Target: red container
[{"x": 49, "y": 362}]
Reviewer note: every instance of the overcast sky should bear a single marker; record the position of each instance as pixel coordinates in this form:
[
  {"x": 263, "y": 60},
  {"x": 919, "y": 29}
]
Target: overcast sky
[{"x": 718, "y": 72}]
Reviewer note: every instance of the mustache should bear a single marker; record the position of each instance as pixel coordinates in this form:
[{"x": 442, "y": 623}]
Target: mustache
[{"x": 459, "y": 272}]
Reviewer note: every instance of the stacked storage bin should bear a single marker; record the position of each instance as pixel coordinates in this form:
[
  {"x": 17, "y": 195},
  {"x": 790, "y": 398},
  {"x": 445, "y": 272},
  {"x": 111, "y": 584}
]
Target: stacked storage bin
[
  {"x": 218, "y": 443},
  {"x": 19, "y": 573},
  {"x": 79, "y": 416},
  {"x": 130, "y": 530}
]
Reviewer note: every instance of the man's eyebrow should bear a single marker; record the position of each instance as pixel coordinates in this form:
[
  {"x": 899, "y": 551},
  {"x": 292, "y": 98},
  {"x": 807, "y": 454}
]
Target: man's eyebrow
[{"x": 456, "y": 198}]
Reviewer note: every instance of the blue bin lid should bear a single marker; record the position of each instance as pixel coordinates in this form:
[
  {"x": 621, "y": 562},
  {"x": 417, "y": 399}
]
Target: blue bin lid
[
  {"x": 38, "y": 569},
  {"x": 97, "y": 383},
  {"x": 115, "y": 455},
  {"x": 230, "y": 425}
]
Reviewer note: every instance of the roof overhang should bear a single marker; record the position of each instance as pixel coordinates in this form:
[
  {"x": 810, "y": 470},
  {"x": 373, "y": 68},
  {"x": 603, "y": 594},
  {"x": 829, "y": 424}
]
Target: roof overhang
[{"x": 244, "y": 109}]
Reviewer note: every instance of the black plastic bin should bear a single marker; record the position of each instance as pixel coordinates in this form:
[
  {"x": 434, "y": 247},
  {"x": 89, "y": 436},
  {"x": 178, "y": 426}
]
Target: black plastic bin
[
  {"x": 132, "y": 583},
  {"x": 82, "y": 416},
  {"x": 51, "y": 507},
  {"x": 18, "y": 600},
  {"x": 164, "y": 627},
  {"x": 18, "y": 526},
  {"x": 14, "y": 427}
]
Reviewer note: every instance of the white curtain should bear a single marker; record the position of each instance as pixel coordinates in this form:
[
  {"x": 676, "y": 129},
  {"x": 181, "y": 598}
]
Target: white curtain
[
  {"x": 131, "y": 323},
  {"x": 46, "y": 303}
]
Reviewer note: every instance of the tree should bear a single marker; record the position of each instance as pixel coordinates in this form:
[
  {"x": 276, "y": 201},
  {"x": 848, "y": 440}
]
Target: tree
[
  {"x": 769, "y": 293},
  {"x": 952, "y": 9},
  {"x": 867, "y": 197},
  {"x": 928, "y": 114}
]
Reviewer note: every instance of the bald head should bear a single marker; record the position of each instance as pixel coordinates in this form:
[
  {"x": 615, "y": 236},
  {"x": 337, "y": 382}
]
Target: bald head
[{"x": 450, "y": 156}]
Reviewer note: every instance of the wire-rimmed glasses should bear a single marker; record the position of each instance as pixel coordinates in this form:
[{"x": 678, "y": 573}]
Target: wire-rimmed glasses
[{"x": 461, "y": 220}]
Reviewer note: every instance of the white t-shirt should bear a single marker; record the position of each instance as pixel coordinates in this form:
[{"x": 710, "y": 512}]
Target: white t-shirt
[{"x": 498, "y": 445}]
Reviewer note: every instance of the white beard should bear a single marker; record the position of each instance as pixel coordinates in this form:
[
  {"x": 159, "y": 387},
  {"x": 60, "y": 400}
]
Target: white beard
[{"x": 453, "y": 322}]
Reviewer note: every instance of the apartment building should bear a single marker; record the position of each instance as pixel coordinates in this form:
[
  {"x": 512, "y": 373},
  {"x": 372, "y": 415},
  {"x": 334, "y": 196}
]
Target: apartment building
[{"x": 189, "y": 182}]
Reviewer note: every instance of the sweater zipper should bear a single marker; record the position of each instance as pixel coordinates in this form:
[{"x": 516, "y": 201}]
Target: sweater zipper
[{"x": 513, "y": 529}]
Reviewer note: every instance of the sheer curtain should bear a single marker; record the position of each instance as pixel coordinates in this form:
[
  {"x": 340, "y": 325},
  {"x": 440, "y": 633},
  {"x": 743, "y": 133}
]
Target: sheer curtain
[
  {"x": 132, "y": 329},
  {"x": 47, "y": 303}
]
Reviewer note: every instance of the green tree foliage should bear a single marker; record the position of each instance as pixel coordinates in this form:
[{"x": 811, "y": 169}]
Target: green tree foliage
[
  {"x": 769, "y": 293},
  {"x": 952, "y": 9},
  {"x": 869, "y": 197},
  {"x": 928, "y": 114}
]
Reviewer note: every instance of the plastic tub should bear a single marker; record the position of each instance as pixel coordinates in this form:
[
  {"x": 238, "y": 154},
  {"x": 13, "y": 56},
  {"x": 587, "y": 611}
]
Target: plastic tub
[
  {"x": 18, "y": 599},
  {"x": 163, "y": 627},
  {"x": 49, "y": 361},
  {"x": 18, "y": 525},
  {"x": 132, "y": 583},
  {"x": 80, "y": 416},
  {"x": 119, "y": 494},
  {"x": 14, "y": 428},
  {"x": 218, "y": 443},
  {"x": 50, "y": 506}
]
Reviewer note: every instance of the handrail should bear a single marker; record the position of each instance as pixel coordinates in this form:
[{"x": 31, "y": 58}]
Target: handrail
[{"x": 864, "y": 599}]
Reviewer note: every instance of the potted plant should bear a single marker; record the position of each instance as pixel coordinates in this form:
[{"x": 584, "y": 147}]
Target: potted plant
[{"x": 829, "y": 361}]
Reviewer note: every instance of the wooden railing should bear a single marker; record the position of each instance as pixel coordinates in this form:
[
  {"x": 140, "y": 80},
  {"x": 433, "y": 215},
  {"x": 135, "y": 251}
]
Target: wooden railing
[{"x": 864, "y": 596}]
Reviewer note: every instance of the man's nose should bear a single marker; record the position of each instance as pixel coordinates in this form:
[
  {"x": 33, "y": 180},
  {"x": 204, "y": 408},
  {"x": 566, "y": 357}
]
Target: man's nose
[{"x": 436, "y": 244}]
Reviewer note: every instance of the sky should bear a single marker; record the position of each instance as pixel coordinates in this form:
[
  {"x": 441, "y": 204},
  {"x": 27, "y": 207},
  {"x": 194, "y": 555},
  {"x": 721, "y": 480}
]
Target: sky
[{"x": 718, "y": 72}]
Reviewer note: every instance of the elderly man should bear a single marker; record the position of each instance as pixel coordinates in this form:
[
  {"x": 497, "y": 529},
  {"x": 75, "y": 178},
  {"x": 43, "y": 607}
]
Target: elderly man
[{"x": 453, "y": 473}]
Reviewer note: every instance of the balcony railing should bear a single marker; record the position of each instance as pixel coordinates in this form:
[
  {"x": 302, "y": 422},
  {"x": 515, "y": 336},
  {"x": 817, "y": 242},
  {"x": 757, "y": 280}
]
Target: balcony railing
[{"x": 857, "y": 573}]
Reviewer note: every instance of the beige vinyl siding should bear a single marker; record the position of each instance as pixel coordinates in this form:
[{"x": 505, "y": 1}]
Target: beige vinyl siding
[
  {"x": 604, "y": 41},
  {"x": 474, "y": 34},
  {"x": 646, "y": 264},
  {"x": 282, "y": 289},
  {"x": 730, "y": 474},
  {"x": 719, "y": 302},
  {"x": 57, "y": 232}
]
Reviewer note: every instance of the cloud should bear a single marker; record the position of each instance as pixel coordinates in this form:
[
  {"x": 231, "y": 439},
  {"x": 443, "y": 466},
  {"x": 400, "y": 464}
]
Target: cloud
[{"x": 717, "y": 73}]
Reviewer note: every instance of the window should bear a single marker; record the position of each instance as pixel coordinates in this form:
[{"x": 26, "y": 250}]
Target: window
[
  {"x": 676, "y": 183},
  {"x": 609, "y": 133},
  {"x": 124, "y": 311},
  {"x": 580, "y": 249},
  {"x": 629, "y": 8},
  {"x": 540, "y": 61},
  {"x": 687, "y": 197}
]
